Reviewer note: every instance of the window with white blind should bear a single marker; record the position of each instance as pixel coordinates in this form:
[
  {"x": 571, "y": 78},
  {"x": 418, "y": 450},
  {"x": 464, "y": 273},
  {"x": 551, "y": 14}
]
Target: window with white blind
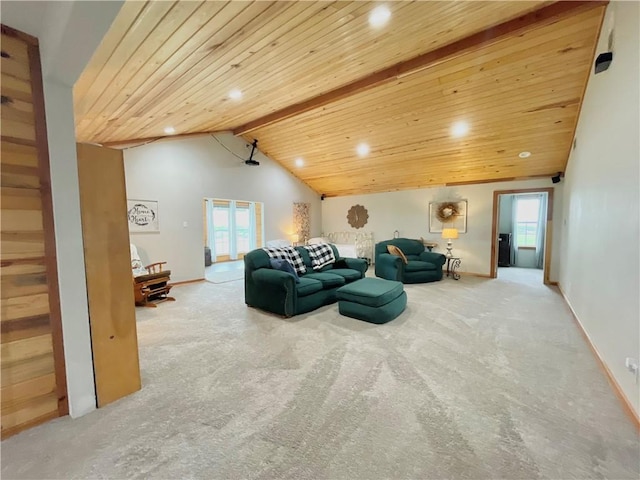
[{"x": 527, "y": 211}]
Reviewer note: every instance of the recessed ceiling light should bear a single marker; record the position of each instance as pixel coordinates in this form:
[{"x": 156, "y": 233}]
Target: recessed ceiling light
[
  {"x": 379, "y": 16},
  {"x": 362, "y": 149},
  {"x": 524, "y": 154},
  {"x": 299, "y": 162},
  {"x": 459, "y": 129},
  {"x": 169, "y": 130},
  {"x": 235, "y": 94}
]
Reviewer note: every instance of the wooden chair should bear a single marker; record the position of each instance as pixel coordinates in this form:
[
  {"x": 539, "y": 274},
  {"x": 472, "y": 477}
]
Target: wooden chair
[{"x": 151, "y": 287}]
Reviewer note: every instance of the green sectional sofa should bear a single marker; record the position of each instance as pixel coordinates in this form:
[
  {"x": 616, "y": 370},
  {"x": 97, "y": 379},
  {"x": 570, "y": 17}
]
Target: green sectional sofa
[
  {"x": 277, "y": 291},
  {"x": 421, "y": 266}
]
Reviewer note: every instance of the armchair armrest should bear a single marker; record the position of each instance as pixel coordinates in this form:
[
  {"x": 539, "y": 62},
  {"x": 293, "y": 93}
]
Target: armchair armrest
[
  {"x": 389, "y": 266},
  {"x": 389, "y": 260},
  {"x": 357, "y": 264},
  {"x": 432, "y": 257}
]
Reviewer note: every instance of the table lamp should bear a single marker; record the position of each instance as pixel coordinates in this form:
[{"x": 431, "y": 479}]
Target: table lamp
[
  {"x": 449, "y": 233},
  {"x": 296, "y": 238}
]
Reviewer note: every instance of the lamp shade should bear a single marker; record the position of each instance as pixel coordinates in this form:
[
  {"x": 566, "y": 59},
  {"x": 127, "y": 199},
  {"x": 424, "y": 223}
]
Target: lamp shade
[{"x": 449, "y": 233}]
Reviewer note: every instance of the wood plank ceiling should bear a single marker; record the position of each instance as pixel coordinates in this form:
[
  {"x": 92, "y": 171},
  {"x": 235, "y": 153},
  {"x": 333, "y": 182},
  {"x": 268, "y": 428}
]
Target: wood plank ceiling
[{"x": 174, "y": 63}]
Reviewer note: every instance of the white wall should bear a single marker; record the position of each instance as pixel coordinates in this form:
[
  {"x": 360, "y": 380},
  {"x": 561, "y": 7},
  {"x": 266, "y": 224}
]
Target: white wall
[
  {"x": 68, "y": 34},
  {"x": 599, "y": 267},
  {"x": 180, "y": 173},
  {"x": 408, "y": 212}
]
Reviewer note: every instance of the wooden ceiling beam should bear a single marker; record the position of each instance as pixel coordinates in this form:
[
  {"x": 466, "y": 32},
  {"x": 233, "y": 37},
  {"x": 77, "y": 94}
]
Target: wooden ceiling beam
[{"x": 535, "y": 19}]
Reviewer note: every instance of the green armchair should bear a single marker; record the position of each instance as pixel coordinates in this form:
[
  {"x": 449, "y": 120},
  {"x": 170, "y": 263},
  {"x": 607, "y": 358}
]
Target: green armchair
[{"x": 421, "y": 266}]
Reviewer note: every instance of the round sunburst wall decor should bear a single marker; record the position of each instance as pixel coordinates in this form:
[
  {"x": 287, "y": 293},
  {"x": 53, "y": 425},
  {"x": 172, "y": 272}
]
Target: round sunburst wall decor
[
  {"x": 357, "y": 216},
  {"x": 447, "y": 212}
]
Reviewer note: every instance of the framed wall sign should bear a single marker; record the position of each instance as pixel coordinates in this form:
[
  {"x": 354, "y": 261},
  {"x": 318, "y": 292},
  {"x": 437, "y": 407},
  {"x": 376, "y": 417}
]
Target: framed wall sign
[
  {"x": 448, "y": 214},
  {"x": 142, "y": 216}
]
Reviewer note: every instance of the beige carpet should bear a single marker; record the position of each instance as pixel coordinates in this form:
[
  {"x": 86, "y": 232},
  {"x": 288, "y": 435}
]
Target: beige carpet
[
  {"x": 224, "y": 272},
  {"x": 477, "y": 379},
  {"x": 224, "y": 277}
]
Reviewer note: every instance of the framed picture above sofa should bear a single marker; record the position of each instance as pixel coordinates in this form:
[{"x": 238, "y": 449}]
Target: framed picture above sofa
[{"x": 448, "y": 214}]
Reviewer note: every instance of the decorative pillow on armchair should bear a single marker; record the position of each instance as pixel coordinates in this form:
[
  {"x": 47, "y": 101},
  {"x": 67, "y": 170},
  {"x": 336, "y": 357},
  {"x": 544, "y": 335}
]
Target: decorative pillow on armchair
[{"x": 393, "y": 250}]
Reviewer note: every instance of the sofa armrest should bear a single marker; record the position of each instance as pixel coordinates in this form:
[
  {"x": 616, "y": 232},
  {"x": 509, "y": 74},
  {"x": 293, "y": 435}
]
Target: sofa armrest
[
  {"x": 271, "y": 290},
  {"x": 432, "y": 257},
  {"x": 358, "y": 264},
  {"x": 274, "y": 277}
]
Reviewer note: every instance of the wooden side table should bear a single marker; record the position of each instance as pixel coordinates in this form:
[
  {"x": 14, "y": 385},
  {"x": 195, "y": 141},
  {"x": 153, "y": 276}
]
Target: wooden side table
[
  {"x": 453, "y": 263},
  {"x": 429, "y": 246}
]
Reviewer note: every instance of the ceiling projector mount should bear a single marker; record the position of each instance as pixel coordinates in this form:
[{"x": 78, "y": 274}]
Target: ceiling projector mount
[{"x": 251, "y": 161}]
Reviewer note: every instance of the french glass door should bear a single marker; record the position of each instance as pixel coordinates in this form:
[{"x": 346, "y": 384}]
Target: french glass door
[
  {"x": 233, "y": 228},
  {"x": 222, "y": 230}
]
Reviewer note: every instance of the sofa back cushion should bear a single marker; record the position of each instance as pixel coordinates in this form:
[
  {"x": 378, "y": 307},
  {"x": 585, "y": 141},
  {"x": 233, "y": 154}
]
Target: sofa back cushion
[
  {"x": 321, "y": 255},
  {"x": 285, "y": 266},
  {"x": 256, "y": 259},
  {"x": 306, "y": 258},
  {"x": 290, "y": 254}
]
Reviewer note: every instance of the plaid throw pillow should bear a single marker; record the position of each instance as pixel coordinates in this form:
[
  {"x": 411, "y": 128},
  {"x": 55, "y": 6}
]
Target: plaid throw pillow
[
  {"x": 290, "y": 254},
  {"x": 321, "y": 254}
]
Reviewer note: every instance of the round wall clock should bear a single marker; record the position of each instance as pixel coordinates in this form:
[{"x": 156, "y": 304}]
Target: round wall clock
[{"x": 357, "y": 216}]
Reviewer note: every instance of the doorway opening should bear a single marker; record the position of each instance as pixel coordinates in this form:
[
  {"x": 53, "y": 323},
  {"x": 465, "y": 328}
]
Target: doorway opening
[
  {"x": 232, "y": 228},
  {"x": 521, "y": 234}
]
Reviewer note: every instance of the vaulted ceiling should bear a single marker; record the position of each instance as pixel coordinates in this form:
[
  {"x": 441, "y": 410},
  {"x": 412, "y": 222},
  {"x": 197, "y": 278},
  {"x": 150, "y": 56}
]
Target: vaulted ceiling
[{"x": 317, "y": 80}]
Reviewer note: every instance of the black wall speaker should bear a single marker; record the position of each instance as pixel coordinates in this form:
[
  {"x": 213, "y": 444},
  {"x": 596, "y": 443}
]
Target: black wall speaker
[
  {"x": 323, "y": 196},
  {"x": 603, "y": 61},
  {"x": 556, "y": 178}
]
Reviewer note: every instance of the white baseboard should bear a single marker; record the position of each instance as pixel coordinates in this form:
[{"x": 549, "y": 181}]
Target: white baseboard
[{"x": 627, "y": 405}]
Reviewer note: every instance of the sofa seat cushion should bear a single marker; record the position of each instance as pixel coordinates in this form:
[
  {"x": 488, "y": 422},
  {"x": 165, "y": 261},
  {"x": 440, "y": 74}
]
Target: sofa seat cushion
[
  {"x": 370, "y": 291},
  {"x": 418, "y": 266},
  {"x": 308, "y": 286},
  {"x": 328, "y": 280},
  {"x": 412, "y": 257},
  {"x": 349, "y": 274}
]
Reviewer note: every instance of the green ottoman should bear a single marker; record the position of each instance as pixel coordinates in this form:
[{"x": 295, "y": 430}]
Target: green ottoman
[{"x": 373, "y": 300}]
